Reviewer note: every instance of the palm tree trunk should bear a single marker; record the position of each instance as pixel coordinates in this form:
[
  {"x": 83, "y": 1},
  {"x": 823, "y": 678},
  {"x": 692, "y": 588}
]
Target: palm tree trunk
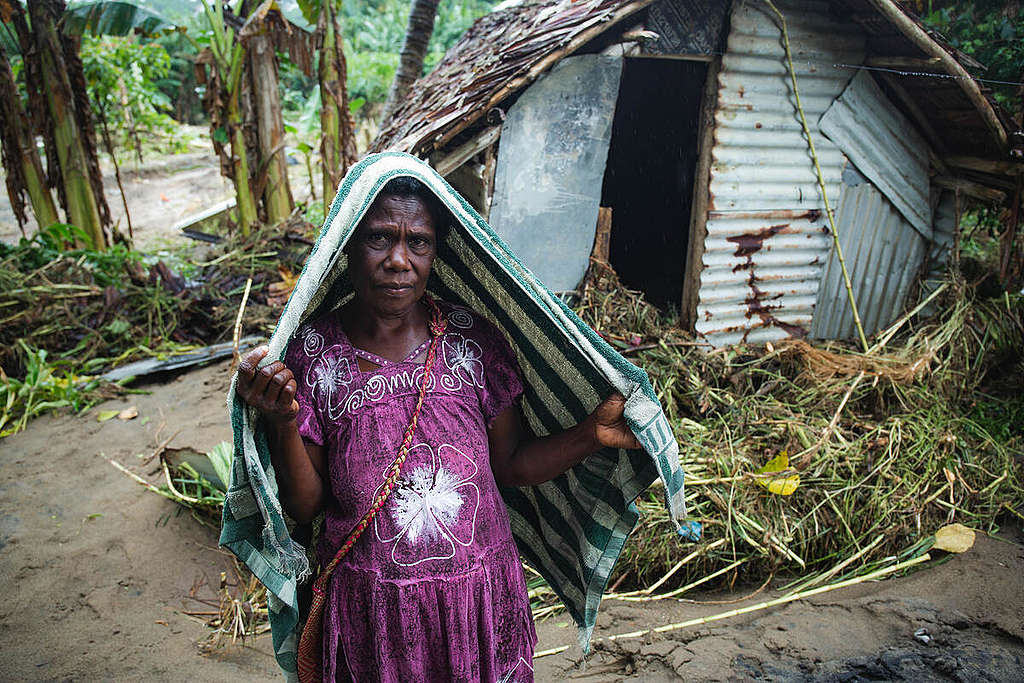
[
  {"x": 21, "y": 158},
  {"x": 337, "y": 129},
  {"x": 82, "y": 208},
  {"x": 414, "y": 51}
]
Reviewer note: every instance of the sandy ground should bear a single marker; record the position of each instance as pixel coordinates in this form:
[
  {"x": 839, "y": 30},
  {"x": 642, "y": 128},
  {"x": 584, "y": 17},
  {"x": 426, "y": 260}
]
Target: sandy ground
[{"x": 98, "y": 572}]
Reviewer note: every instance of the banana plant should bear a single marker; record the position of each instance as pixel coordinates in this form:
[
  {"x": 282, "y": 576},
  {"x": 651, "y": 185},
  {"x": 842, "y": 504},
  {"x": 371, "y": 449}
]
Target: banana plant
[{"x": 228, "y": 56}]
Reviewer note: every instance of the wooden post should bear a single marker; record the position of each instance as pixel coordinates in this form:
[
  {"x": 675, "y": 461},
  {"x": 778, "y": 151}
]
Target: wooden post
[
  {"x": 599, "y": 253},
  {"x": 701, "y": 199}
]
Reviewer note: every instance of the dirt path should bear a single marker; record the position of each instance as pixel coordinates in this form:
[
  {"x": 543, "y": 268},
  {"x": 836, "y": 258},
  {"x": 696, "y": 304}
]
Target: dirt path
[
  {"x": 98, "y": 572},
  {"x": 160, "y": 193}
]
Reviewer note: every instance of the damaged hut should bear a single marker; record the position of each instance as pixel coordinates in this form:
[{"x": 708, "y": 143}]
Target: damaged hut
[{"x": 680, "y": 118}]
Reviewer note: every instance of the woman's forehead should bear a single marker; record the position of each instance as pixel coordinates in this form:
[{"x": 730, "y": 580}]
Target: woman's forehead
[{"x": 393, "y": 208}]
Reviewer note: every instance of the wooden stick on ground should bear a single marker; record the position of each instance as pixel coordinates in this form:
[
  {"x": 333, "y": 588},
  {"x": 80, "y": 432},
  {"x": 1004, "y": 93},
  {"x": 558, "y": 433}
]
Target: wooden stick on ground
[{"x": 752, "y": 608}]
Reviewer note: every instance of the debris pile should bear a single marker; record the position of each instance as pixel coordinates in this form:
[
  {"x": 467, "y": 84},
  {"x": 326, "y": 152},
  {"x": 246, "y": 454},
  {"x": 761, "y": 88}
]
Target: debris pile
[
  {"x": 67, "y": 315},
  {"x": 818, "y": 461}
]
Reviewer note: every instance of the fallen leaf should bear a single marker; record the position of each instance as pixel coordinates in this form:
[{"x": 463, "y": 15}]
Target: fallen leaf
[
  {"x": 954, "y": 538},
  {"x": 783, "y": 485},
  {"x": 107, "y": 415},
  {"x": 128, "y": 413}
]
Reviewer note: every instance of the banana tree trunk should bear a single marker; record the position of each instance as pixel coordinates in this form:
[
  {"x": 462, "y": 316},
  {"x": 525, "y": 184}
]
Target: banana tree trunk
[
  {"x": 277, "y": 194},
  {"x": 414, "y": 51},
  {"x": 337, "y": 138},
  {"x": 82, "y": 206},
  {"x": 21, "y": 158},
  {"x": 245, "y": 199}
]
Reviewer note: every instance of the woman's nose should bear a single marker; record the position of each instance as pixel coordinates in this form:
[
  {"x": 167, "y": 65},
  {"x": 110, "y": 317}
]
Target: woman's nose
[{"x": 398, "y": 257}]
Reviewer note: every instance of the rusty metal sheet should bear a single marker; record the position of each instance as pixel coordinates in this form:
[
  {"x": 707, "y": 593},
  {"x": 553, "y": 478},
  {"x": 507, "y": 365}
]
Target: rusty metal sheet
[
  {"x": 768, "y": 240},
  {"x": 883, "y": 254},
  {"x": 883, "y": 146}
]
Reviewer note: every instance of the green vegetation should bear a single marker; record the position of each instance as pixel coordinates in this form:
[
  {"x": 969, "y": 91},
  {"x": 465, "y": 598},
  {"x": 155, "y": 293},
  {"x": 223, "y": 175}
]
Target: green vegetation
[
  {"x": 992, "y": 32},
  {"x": 123, "y": 78}
]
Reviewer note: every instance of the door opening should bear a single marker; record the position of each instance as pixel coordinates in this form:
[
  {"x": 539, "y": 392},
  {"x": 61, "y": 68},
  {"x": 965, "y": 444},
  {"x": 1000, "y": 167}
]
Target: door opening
[{"x": 648, "y": 181}]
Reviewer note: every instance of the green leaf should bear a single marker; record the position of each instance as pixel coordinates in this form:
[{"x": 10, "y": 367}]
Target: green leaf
[
  {"x": 310, "y": 9},
  {"x": 220, "y": 135},
  {"x": 118, "y": 327},
  {"x": 105, "y": 415},
  {"x": 220, "y": 456},
  {"x": 113, "y": 18},
  {"x": 356, "y": 104}
]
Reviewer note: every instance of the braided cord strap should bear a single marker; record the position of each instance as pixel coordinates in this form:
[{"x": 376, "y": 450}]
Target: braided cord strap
[{"x": 310, "y": 651}]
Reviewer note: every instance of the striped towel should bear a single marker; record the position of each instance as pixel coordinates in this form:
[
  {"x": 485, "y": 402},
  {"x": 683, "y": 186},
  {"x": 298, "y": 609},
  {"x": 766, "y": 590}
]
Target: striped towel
[{"x": 570, "y": 529}]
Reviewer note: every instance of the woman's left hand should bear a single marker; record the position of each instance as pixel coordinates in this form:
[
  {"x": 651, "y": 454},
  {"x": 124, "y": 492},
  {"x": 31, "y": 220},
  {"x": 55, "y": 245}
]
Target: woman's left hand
[{"x": 609, "y": 424}]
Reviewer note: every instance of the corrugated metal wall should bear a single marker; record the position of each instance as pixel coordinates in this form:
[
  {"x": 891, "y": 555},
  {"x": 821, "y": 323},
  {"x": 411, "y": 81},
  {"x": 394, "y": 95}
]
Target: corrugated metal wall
[
  {"x": 884, "y": 146},
  {"x": 883, "y": 254},
  {"x": 767, "y": 240}
]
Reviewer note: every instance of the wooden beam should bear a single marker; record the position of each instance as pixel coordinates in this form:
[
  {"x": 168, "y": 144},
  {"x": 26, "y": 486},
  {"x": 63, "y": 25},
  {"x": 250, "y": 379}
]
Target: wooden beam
[
  {"x": 893, "y": 62},
  {"x": 490, "y": 167},
  {"x": 971, "y": 189},
  {"x": 891, "y": 11},
  {"x": 467, "y": 151},
  {"x": 680, "y": 57},
  {"x": 1010, "y": 168}
]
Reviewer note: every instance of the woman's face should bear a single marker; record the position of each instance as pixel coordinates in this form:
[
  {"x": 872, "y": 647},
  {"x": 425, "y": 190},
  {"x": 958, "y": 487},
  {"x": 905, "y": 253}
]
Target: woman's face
[{"x": 391, "y": 254}]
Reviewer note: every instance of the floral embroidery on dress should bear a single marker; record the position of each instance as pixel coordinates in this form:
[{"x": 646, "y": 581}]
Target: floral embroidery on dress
[
  {"x": 463, "y": 358},
  {"x": 328, "y": 376},
  {"x": 433, "y": 507}
]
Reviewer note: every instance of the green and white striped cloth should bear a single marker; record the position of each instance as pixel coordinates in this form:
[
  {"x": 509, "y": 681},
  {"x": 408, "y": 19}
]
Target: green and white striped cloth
[{"x": 570, "y": 529}]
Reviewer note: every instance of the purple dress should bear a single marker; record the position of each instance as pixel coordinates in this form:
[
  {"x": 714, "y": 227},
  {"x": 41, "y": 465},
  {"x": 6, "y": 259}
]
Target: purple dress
[{"x": 433, "y": 590}]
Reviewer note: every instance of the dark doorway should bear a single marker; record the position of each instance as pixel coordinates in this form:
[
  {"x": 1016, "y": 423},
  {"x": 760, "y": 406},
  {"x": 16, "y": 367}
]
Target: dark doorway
[{"x": 648, "y": 181}]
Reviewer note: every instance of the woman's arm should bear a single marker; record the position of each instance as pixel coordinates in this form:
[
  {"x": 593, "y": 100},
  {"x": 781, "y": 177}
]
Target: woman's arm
[
  {"x": 519, "y": 461},
  {"x": 298, "y": 465}
]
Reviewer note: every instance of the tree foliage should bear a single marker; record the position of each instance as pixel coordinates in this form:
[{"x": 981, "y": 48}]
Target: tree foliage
[
  {"x": 990, "y": 31},
  {"x": 123, "y": 78}
]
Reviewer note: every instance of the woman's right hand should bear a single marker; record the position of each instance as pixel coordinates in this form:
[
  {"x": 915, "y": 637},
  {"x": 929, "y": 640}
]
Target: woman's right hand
[{"x": 270, "y": 389}]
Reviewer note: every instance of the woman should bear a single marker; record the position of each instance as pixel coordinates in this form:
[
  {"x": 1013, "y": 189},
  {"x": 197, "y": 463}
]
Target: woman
[{"x": 435, "y": 590}]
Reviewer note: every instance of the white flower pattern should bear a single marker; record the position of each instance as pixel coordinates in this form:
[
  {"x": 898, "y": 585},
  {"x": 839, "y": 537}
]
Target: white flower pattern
[
  {"x": 433, "y": 508},
  {"x": 328, "y": 377},
  {"x": 464, "y": 360}
]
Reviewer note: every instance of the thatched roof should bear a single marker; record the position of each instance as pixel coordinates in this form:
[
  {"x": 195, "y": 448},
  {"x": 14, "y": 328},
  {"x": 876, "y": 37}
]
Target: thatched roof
[{"x": 500, "y": 54}]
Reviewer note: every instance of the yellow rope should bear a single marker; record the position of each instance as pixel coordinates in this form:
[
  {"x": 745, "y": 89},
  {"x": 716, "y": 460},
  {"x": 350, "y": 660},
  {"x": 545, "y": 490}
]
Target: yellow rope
[{"x": 821, "y": 178}]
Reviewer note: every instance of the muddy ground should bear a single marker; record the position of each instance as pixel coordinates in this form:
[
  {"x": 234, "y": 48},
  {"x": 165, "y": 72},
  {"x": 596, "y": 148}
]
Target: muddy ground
[{"x": 99, "y": 571}]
